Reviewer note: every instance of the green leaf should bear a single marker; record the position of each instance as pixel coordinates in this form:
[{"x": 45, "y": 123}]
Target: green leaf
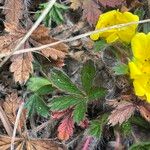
[
  {"x": 36, "y": 104},
  {"x": 87, "y": 75},
  {"x": 54, "y": 15},
  {"x": 96, "y": 126},
  {"x": 35, "y": 83},
  {"x": 140, "y": 146},
  {"x": 60, "y": 80},
  {"x": 121, "y": 69},
  {"x": 100, "y": 45},
  {"x": 146, "y": 27},
  {"x": 96, "y": 93},
  {"x": 137, "y": 120},
  {"x": 126, "y": 128},
  {"x": 79, "y": 111},
  {"x": 39, "y": 85},
  {"x": 63, "y": 102}
]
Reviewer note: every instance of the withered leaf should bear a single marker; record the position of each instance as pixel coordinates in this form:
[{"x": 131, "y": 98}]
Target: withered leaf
[
  {"x": 121, "y": 113},
  {"x": 55, "y": 52},
  {"x": 9, "y": 40},
  {"x": 22, "y": 67},
  {"x": 75, "y": 4},
  {"x": 14, "y": 11},
  {"x": 11, "y": 106},
  {"x": 112, "y": 3},
  {"x": 29, "y": 144},
  {"x": 145, "y": 111},
  {"x": 91, "y": 11}
]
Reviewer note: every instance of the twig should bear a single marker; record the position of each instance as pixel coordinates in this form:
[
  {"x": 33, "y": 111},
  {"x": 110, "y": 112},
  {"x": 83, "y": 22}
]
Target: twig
[
  {"x": 16, "y": 125},
  {"x": 73, "y": 38},
  {"x": 35, "y": 25},
  {"x": 5, "y": 122},
  {"x": 43, "y": 125}
]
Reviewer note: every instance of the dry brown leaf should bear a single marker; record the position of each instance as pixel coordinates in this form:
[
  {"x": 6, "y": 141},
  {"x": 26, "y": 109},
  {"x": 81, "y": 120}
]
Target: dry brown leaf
[
  {"x": 121, "y": 113},
  {"x": 14, "y": 11},
  {"x": 91, "y": 11},
  {"x": 5, "y": 142},
  {"x": 29, "y": 144},
  {"x": 145, "y": 111},
  {"x": 9, "y": 40},
  {"x": 112, "y": 3},
  {"x": 75, "y": 4},
  {"x": 22, "y": 67},
  {"x": 55, "y": 52},
  {"x": 11, "y": 106}
]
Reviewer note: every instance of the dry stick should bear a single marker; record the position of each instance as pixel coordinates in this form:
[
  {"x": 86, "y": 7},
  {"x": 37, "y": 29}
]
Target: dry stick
[
  {"x": 5, "y": 122},
  {"x": 16, "y": 125},
  {"x": 74, "y": 38},
  {"x": 35, "y": 25}
]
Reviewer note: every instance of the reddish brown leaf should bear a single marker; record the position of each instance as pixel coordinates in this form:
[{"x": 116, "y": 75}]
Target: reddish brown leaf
[
  {"x": 91, "y": 11},
  {"x": 60, "y": 114},
  {"x": 65, "y": 129},
  {"x": 14, "y": 11},
  {"x": 121, "y": 113},
  {"x": 22, "y": 67},
  {"x": 58, "y": 51},
  {"x": 145, "y": 111},
  {"x": 111, "y": 3},
  {"x": 84, "y": 123}
]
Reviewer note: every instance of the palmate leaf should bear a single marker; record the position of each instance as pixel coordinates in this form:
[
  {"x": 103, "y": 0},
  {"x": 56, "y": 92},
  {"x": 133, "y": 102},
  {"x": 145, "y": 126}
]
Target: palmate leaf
[
  {"x": 39, "y": 85},
  {"x": 96, "y": 126},
  {"x": 54, "y": 15},
  {"x": 63, "y": 102},
  {"x": 87, "y": 75},
  {"x": 35, "y": 104},
  {"x": 79, "y": 111},
  {"x": 60, "y": 80}
]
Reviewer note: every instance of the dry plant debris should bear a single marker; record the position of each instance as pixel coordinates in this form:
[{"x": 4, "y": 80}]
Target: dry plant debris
[{"x": 91, "y": 93}]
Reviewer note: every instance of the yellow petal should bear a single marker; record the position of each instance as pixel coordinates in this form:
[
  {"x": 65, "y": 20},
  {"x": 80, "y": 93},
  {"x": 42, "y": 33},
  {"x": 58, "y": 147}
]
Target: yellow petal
[
  {"x": 134, "y": 70},
  {"x": 112, "y": 38},
  {"x": 138, "y": 88},
  {"x": 139, "y": 45}
]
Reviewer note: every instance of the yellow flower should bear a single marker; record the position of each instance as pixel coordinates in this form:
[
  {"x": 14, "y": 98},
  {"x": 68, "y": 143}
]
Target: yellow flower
[
  {"x": 115, "y": 17},
  {"x": 140, "y": 65}
]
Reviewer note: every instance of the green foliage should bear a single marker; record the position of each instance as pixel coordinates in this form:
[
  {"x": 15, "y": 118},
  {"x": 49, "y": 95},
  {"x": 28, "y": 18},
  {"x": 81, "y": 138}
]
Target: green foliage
[
  {"x": 60, "y": 80},
  {"x": 39, "y": 85},
  {"x": 140, "y": 146},
  {"x": 63, "y": 102},
  {"x": 87, "y": 75},
  {"x": 54, "y": 15},
  {"x": 146, "y": 27},
  {"x": 76, "y": 99},
  {"x": 126, "y": 128},
  {"x": 79, "y": 111},
  {"x": 121, "y": 69},
  {"x": 36, "y": 104},
  {"x": 96, "y": 126},
  {"x": 100, "y": 45},
  {"x": 137, "y": 120},
  {"x": 96, "y": 93}
]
